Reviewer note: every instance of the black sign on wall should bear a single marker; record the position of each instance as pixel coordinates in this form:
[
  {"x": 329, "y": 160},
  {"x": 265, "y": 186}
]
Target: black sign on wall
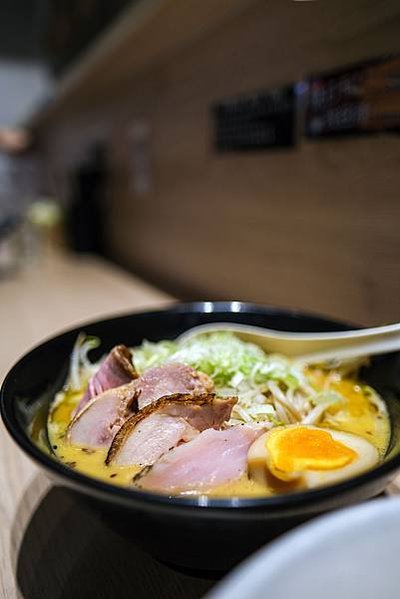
[
  {"x": 361, "y": 99},
  {"x": 255, "y": 122}
]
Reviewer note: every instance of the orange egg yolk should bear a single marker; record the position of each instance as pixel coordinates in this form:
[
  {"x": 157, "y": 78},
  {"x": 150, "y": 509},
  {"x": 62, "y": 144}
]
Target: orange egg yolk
[{"x": 298, "y": 449}]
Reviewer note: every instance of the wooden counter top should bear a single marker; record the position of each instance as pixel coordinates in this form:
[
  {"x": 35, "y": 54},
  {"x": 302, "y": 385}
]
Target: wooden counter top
[
  {"x": 61, "y": 292},
  {"x": 50, "y": 548}
]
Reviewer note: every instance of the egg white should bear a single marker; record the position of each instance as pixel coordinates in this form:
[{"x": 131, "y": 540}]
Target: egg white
[
  {"x": 260, "y": 464},
  {"x": 367, "y": 457}
]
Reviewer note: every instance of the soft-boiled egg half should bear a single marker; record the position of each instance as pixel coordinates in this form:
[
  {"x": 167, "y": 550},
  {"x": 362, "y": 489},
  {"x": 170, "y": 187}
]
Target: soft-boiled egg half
[{"x": 309, "y": 456}]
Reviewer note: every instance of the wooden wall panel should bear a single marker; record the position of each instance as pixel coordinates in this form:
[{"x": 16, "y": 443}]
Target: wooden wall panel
[{"x": 314, "y": 228}]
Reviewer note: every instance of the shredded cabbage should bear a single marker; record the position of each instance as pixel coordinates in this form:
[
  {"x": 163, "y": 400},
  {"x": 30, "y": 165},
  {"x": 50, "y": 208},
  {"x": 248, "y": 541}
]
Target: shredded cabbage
[
  {"x": 272, "y": 389},
  {"x": 224, "y": 357},
  {"x": 237, "y": 368}
]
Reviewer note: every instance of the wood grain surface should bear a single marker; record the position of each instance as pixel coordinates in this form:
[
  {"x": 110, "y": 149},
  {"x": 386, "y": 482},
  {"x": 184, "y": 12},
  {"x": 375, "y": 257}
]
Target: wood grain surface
[
  {"x": 50, "y": 547},
  {"x": 315, "y": 227}
]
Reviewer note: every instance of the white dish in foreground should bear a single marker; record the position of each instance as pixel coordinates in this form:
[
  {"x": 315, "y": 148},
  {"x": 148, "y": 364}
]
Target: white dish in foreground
[{"x": 350, "y": 554}]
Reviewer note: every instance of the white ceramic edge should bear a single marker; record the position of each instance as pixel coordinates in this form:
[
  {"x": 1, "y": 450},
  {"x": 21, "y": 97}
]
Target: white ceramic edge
[{"x": 257, "y": 569}]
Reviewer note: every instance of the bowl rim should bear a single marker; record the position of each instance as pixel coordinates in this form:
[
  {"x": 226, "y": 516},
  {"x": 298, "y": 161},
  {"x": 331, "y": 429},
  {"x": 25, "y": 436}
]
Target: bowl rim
[{"x": 92, "y": 486}]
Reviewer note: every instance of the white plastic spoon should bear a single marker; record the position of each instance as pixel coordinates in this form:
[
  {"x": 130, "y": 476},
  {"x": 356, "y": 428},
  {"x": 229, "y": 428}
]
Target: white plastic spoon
[{"x": 311, "y": 347}]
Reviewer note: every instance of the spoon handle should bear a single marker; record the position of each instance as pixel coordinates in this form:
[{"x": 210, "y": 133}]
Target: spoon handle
[
  {"x": 362, "y": 348},
  {"x": 311, "y": 347}
]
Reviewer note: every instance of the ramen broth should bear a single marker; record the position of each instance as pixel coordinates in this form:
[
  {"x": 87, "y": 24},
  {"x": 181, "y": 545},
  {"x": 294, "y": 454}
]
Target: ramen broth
[{"x": 358, "y": 415}]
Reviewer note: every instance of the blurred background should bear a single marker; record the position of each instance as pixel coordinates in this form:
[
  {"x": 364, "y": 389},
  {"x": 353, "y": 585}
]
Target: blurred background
[{"x": 244, "y": 149}]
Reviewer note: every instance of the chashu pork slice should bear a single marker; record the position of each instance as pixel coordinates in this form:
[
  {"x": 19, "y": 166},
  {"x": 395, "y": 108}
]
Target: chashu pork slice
[
  {"x": 151, "y": 438},
  {"x": 211, "y": 459},
  {"x": 170, "y": 379},
  {"x": 141, "y": 440},
  {"x": 116, "y": 370},
  {"x": 96, "y": 424}
]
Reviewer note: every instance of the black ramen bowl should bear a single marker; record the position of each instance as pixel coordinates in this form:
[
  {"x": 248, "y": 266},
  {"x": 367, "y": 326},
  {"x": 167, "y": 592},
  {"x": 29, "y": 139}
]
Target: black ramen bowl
[{"x": 191, "y": 532}]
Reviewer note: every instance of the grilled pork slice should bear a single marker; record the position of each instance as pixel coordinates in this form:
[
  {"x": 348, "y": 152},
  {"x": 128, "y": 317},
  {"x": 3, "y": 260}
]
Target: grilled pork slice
[
  {"x": 141, "y": 439},
  {"x": 96, "y": 424},
  {"x": 211, "y": 459},
  {"x": 116, "y": 370},
  {"x": 170, "y": 379},
  {"x": 151, "y": 438}
]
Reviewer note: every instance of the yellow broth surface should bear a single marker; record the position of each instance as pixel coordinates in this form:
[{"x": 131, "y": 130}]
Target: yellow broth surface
[{"x": 358, "y": 415}]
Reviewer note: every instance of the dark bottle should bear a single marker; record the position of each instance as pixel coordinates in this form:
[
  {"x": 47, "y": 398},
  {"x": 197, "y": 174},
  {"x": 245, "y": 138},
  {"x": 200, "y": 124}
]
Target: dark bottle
[{"x": 86, "y": 222}]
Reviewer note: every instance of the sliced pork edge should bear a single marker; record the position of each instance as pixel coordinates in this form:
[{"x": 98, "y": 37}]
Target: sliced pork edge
[
  {"x": 96, "y": 424},
  {"x": 152, "y": 437},
  {"x": 211, "y": 459},
  {"x": 199, "y": 411},
  {"x": 116, "y": 370},
  {"x": 169, "y": 379}
]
